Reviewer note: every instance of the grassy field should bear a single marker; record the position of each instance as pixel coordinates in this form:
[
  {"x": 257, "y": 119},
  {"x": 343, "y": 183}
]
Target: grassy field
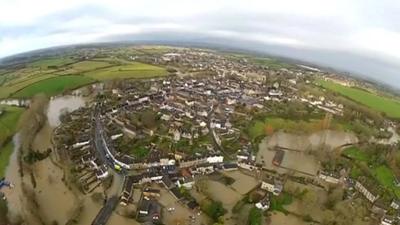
[
  {"x": 51, "y": 62},
  {"x": 55, "y": 75},
  {"x": 133, "y": 70},
  {"x": 385, "y": 177},
  {"x": 356, "y": 154},
  {"x": 8, "y": 125},
  {"x": 8, "y": 122},
  {"x": 262, "y": 127},
  {"x": 5, "y": 154},
  {"x": 53, "y": 86},
  {"x": 278, "y": 203},
  {"x": 271, "y": 63},
  {"x": 89, "y": 65},
  {"x": 380, "y": 103}
]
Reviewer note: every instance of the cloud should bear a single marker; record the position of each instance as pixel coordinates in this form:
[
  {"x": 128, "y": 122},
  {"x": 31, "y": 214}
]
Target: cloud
[{"x": 309, "y": 29}]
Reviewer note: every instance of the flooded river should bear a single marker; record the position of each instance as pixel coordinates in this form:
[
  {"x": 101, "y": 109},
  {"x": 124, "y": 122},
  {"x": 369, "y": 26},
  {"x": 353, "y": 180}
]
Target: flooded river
[
  {"x": 60, "y": 105},
  {"x": 55, "y": 201}
]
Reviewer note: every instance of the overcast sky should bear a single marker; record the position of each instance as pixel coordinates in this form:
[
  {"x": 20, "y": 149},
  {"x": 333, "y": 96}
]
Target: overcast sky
[{"x": 361, "y": 36}]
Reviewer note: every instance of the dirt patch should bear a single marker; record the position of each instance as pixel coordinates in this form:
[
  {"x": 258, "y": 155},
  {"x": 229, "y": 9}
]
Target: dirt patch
[
  {"x": 328, "y": 139},
  {"x": 243, "y": 183},
  {"x": 282, "y": 219},
  {"x": 300, "y": 162},
  {"x": 181, "y": 213}
]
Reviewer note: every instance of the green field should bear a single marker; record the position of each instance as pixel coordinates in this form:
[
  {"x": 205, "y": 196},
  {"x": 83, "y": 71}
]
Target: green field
[
  {"x": 51, "y": 62},
  {"x": 376, "y": 102},
  {"x": 8, "y": 121},
  {"x": 55, "y": 75},
  {"x": 53, "y": 86},
  {"x": 259, "y": 127},
  {"x": 90, "y": 65},
  {"x": 8, "y": 125},
  {"x": 133, "y": 70},
  {"x": 356, "y": 154},
  {"x": 386, "y": 178},
  {"x": 5, "y": 153}
]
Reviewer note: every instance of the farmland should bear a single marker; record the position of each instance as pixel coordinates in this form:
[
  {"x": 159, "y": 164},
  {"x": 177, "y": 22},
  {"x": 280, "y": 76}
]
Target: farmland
[
  {"x": 390, "y": 107},
  {"x": 133, "y": 70},
  {"x": 53, "y": 86},
  {"x": 8, "y": 122},
  {"x": 50, "y": 62},
  {"x": 356, "y": 154},
  {"x": 54, "y": 75},
  {"x": 5, "y": 153},
  {"x": 270, "y": 124},
  {"x": 386, "y": 178},
  {"x": 8, "y": 125}
]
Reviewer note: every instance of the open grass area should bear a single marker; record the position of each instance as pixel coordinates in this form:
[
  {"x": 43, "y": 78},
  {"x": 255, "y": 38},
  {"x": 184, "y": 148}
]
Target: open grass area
[
  {"x": 8, "y": 122},
  {"x": 53, "y": 86},
  {"x": 271, "y": 124},
  {"x": 90, "y": 65},
  {"x": 8, "y": 125},
  {"x": 57, "y": 74},
  {"x": 278, "y": 202},
  {"x": 51, "y": 62},
  {"x": 386, "y": 178},
  {"x": 271, "y": 63},
  {"x": 8, "y": 90},
  {"x": 5, "y": 153},
  {"x": 133, "y": 70},
  {"x": 356, "y": 154},
  {"x": 374, "y": 101}
]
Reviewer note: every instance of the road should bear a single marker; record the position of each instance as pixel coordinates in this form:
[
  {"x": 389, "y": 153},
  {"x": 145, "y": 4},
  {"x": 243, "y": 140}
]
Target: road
[
  {"x": 100, "y": 145},
  {"x": 106, "y": 211}
]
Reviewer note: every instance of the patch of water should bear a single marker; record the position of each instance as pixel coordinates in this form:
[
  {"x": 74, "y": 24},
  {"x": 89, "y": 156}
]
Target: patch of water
[{"x": 59, "y": 105}]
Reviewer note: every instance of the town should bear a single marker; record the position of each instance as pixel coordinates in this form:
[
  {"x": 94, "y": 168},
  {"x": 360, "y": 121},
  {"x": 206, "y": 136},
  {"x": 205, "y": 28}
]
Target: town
[{"x": 225, "y": 139}]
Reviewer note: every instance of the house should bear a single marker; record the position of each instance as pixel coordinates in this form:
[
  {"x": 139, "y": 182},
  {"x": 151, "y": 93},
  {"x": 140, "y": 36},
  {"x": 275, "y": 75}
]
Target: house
[
  {"x": 176, "y": 193},
  {"x": 230, "y": 166},
  {"x": 144, "y": 206},
  {"x": 165, "y": 117},
  {"x": 272, "y": 185},
  {"x": 247, "y": 165},
  {"x": 243, "y": 155},
  {"x": 151, "y": 192},
  {"x": 186, "y": 182},
  {"x": 215, "y": 159},
  {"x": 264, "y": 204},
  {"x": 149, "y": 209},
  {"x": 362, "y": 187},
  {"x": 395, "y": 204},
  {"x": 205, "y": 168},
  {"x": 127, "y": 191},
  {"x": 80, "y": 144},
  {"x": 278, "y": 157},
  {"x": 379, "y": 207},
  {"x": 192, "y": 205},
  {"x": 329, "y": 177},
  {"x": 386, "y": 220},
  {"x": 166, "y": 180}
]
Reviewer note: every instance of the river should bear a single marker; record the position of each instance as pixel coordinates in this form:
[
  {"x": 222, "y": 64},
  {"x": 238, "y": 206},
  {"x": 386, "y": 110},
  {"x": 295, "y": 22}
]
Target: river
[{"x": 56, "y": 202}]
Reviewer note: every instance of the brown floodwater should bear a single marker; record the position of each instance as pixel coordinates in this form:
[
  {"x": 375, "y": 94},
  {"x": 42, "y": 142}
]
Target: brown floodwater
[
  {"x": 56, "y": 202},
  {"x": 62, "y": 104}
]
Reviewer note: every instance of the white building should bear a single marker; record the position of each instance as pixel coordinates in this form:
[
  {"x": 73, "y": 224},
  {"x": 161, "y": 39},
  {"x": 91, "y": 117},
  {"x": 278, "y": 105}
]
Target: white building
[{"x": 272, "y": 185}]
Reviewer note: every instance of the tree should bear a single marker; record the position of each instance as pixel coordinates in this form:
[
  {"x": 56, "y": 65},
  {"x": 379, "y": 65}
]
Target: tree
[
  {"x": 335, "y": 195},
  {"x": 255, "y": 216},
  {"x": 148, "y": 118},
  {"x": 214, "y": 209},
  {"x": 269, "y": 130}
]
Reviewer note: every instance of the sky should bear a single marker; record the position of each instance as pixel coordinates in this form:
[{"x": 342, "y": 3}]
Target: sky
[{"x": 360, "y": 36}]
